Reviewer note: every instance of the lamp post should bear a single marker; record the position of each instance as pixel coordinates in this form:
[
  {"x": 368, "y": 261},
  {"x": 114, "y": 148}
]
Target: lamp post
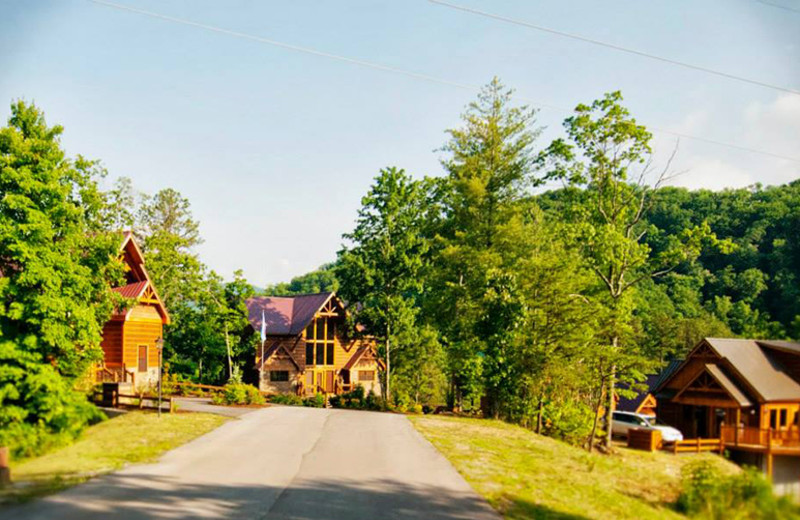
[{"x": 160, "y": 348}]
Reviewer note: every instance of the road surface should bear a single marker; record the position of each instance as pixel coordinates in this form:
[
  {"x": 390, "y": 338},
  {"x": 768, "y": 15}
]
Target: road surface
[{"x": 281, "y": 463}]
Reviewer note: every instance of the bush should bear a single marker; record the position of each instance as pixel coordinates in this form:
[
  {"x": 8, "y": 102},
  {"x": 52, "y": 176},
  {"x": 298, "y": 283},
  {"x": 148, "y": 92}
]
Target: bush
[
  {"x": 357, "y": 400},
  {"x": 288, "y": 399},
  {"x": 415, "y": 408},
  {"x": 709, "y": 494},
  {"x": 318, "y": 401},
  {"x": 238, "y": 393},
  {"x": 39, "y": 410}
]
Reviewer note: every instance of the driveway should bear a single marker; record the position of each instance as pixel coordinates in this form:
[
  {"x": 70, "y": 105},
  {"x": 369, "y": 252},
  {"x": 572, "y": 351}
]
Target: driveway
[{"x": 281, "y": 463}]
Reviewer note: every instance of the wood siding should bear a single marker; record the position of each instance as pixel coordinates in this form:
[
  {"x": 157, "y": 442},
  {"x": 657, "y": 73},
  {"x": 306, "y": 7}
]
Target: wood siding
[
  {"x": 112, "y": 344},
  {"x": 141, "y": 332}
]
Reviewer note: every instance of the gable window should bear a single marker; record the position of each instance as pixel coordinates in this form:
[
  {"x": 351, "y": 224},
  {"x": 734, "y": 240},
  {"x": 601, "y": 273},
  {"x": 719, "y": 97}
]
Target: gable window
[
  {"x": 278, "y": 375},
  {"x": 366, "y": 375},
  {"x": 320, "y": 339},
  {"x": 142, "y": 358}
]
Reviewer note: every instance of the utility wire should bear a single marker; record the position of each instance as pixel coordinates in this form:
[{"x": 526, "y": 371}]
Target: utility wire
[
  {"x": 779, "y": 6},
  {"x": 404, "y": 72},
  {"x": 613, "y": 46}
]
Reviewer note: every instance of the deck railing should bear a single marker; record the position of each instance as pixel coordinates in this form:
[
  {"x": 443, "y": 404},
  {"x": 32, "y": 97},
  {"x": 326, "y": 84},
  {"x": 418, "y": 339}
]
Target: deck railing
[
  {"x": 696, "y": 445},
  {"x": 768, "y": 439}
]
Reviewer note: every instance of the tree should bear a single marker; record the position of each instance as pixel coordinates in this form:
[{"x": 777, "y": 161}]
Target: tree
[
  {"x": 56, "y": 266},
  {"x": 380, "y": 271},
  {"x": 609, "y": 154},
  {"x": 489, "y": 163}
]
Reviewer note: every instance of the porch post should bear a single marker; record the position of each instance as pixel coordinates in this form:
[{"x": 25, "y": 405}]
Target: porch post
[{"x": 736, "y": 426}]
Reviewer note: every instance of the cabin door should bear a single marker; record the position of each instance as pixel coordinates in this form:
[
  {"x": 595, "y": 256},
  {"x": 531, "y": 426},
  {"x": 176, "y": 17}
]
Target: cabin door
[{"x": 329, "y": 378}]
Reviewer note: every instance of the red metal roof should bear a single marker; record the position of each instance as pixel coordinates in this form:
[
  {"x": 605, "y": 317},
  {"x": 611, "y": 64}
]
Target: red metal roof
[
  {"x": 285, "y": 315},
  {"x": 132, "y": 290}
]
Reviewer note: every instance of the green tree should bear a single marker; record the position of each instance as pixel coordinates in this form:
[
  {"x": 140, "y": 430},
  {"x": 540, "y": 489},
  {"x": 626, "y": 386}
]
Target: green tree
[
  {"x": 381, "y": 269},
  {"x": 489, "y": 162},
  {"x": 609, "y": 154},
  {"x": 56, "y": 266}
]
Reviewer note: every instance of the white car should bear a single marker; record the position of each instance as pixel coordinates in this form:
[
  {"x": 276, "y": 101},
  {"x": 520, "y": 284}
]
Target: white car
[{"x": 624, "y": 421}]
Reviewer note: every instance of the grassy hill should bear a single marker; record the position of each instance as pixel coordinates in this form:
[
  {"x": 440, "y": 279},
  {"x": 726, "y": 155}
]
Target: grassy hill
[{"x": 524, "y": 475}]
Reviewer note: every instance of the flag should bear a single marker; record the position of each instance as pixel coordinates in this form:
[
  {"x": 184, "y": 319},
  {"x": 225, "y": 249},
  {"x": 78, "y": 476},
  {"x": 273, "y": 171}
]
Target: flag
[{"x": 263, "y": 327}]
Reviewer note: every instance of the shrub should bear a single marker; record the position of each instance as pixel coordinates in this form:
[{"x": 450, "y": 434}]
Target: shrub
[
  {"x": 318, "y": 401},
  {"x": 357, "y": 400},
  {"x": 288, "y": 399},
  {"x": 709, "y": 494},
  {"x": 415, "y": 408},
  {"x": 238, "y": 393}
]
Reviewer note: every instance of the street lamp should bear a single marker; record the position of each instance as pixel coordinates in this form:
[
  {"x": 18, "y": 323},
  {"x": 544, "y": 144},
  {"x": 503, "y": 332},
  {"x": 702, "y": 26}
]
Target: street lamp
[{"x": 160, "y": 348}]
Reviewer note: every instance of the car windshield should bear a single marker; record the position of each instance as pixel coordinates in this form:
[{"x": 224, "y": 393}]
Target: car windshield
[{"x": 652, "y": 421}]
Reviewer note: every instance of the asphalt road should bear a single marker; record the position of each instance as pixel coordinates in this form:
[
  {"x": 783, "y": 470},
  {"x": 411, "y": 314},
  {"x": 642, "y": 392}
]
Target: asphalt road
[{"x": 281, "y": 463}]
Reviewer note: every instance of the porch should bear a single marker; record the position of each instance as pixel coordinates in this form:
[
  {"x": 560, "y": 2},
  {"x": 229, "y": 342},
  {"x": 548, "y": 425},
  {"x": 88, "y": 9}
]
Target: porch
[{"x": 785, "y": 442}]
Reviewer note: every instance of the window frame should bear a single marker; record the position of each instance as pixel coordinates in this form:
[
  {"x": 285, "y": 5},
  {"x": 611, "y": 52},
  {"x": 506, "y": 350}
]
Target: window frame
[
  {"x": 274, "y": 379},
  {"x": 139, "y": 358}
]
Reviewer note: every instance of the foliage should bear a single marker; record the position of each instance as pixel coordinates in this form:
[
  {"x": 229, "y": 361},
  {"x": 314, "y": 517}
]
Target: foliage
[
  {"x": 239, "y": 393},
  {"x": 315, "y": 401},
  {"x": 381, "y": 270},
  {"x": 288, "y": 399},
  {"x": 322, "y": 280},
  {"x": 357, "y": 399},
  {"x": 56, "y": 264},
  {"x": 708, "y": 494}
]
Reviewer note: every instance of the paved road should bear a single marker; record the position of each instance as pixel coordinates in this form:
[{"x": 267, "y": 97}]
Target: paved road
[
  {"x": 281, "y": 463},
  {"x": 203, "y": 404}
]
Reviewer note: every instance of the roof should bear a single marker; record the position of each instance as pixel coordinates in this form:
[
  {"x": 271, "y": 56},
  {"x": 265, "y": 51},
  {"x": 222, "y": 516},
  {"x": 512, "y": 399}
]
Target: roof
[
  {"x": 625, "y": 404},
  {"x": 285, "y": 315},
  {"x": 728, "y": 385},
  {"x": 757, "y": 369},
  {"x": 666, "y": 373},
  {"x": 132, "y": 290}
]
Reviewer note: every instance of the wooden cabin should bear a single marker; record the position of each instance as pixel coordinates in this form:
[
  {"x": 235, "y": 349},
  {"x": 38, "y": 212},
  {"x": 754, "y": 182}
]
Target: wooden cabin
[
  {"x": 744, "y": 392},
  {"x": 306, "y": 350},
  {"x": 130, "y": 338}
]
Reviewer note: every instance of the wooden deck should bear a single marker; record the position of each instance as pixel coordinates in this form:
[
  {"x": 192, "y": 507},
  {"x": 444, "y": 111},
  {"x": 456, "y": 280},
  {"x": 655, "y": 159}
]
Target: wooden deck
[{"x": 760, "y": 440}]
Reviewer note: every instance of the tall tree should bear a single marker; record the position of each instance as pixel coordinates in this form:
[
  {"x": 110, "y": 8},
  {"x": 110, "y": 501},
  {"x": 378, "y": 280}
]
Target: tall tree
[
  {"x": 489, "y": 161},
  {"x": 609, "y": 154},
  {"x": 380, "y": 271},
  {"x": 56, "y": 265}
]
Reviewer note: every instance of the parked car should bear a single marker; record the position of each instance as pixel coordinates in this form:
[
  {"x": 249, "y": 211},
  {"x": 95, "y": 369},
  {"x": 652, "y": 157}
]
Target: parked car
[{"x": 624, "y": 421}]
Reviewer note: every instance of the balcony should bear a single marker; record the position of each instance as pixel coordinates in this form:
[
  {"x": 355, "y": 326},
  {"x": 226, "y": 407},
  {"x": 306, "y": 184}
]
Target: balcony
[{"x": 760, "y": 440}]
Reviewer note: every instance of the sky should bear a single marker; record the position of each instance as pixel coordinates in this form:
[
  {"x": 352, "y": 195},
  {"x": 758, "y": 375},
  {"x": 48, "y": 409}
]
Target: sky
[{"x": 275, "y": 147}]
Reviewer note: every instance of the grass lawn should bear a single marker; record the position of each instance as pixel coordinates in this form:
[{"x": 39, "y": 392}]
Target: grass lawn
[
  {"x": 107, "y": 446},
  {"x": 524, "y": 475}
]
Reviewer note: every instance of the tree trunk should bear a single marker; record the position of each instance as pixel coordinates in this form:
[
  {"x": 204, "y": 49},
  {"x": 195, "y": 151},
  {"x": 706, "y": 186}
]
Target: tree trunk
[
  {"x": 228, "y": 349},
  {"x": 611, "y": 384},
  {"x": 388, "y": 366},
  {"x": 593, "y": 435},
  {"x": 539, "y": 415}
]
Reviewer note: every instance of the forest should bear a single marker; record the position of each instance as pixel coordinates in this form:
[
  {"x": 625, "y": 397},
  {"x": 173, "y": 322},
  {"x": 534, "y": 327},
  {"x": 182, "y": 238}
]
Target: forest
[{"x": 485, "y": 286}]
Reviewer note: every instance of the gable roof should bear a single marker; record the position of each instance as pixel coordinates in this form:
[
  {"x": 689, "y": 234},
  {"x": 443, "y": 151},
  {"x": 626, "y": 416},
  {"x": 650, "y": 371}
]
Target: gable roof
[
  {"x": 625, "y": 404},
  {"x": 285, "y": 315},
  {"x": 358, "y": 354},
  {"x": 728, "y": 385},
  {"x": 278, "y": 346},
  {"x": 751, "y": 365},
  {"x": 133, "y": 257}
]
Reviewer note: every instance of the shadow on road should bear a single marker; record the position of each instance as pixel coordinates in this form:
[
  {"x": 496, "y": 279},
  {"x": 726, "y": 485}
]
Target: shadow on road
[{"x": 127, "y": 497}]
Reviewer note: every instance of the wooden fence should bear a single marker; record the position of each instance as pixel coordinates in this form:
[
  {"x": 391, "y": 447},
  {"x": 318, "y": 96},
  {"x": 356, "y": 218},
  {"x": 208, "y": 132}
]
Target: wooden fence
[
  {"x": 141, "y": 401},
  {"x": 698, "y": 445}
]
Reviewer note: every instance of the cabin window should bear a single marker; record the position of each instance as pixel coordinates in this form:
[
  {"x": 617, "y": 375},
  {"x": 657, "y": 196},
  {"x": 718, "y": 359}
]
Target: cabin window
[
  {"x": 320, "y": 337},
  {"x": 366, "y": 375},
  {"x": 773, "y": 419},
  {"x": 142, "y": 358},
  {"x": 784, "y": 419},
  {"x": 278, "y": 375}
]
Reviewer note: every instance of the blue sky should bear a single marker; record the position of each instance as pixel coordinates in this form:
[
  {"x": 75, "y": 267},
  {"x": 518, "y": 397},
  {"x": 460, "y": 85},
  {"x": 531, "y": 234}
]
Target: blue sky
[{"x": 275, "y": 148}]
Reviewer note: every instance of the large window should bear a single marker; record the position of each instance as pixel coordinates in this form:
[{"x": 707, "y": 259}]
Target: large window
[{"x": 320, "y": 335}]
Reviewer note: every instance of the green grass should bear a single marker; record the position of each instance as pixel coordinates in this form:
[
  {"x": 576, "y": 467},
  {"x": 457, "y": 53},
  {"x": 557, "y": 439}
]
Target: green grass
[
  {"x": 524, "y": 475},
  {"x": 134, "y": 437}
]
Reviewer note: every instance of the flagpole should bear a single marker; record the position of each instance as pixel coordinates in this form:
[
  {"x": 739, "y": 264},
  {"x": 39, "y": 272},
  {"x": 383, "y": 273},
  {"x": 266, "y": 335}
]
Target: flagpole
[{"x": 263, "y": 339}]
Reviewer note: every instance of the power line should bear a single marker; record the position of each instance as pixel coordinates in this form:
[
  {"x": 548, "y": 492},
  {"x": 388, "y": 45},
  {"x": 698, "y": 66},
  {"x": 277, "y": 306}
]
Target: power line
[
  {"x": 404, "y": 72},
  {"x": 613, "y": 46},
  {"x": 779, "y": 6}
]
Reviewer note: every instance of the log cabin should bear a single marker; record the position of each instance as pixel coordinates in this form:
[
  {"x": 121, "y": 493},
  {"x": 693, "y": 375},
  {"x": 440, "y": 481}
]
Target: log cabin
[
  {"x": 643, "y": 402},
  {"x": 131, "y": 337},
  {"x": 306, "y": 350},
  {"x": 747, "y": 394}
]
